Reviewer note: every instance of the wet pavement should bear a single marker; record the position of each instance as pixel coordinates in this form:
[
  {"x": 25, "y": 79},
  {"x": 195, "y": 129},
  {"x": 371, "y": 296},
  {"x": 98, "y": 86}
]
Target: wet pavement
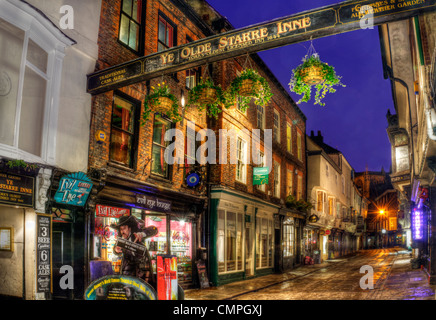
[{"x": 338, "y": 279}]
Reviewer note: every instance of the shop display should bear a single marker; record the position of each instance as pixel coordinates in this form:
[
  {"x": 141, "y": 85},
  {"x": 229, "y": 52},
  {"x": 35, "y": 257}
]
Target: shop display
[
  {"x": 181, "y": 247},
  {"x": 166, "y": 277}
]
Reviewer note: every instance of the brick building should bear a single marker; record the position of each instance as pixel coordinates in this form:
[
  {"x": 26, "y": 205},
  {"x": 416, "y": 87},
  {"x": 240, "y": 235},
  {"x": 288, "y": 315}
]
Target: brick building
[{"x": 246, "y": 229}]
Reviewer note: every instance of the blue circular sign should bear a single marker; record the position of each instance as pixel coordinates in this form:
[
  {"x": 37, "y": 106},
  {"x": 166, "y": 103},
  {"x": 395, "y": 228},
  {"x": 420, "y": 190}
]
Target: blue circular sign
[{"x": 193, "y": 179}]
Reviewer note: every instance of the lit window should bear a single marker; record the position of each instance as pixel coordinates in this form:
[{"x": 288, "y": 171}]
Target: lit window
[
  {"x": 289, "y": 137},
  {"x": 299, "y": 187},
  {"x": 130, "y": 23},
  {"x": 165, "y": 35},
  {"x": 289, "y": 178},
  {"x": 122, "y": 133},
  {"x": 159, "y": 166},
  {"x": 229, "y": 244},
  {"x": 288, "y": 238},
  {"x": 276, "y": 180},
  {"x": 299, "y": 147}
]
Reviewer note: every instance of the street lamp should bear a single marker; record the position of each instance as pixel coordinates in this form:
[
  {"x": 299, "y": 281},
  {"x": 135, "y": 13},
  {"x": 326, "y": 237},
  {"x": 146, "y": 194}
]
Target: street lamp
[{"x": 382, "y": 231}]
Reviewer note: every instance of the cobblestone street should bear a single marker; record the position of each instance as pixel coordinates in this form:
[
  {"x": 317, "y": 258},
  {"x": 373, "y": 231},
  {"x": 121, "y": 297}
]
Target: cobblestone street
[{"x": 338, "y": 279}]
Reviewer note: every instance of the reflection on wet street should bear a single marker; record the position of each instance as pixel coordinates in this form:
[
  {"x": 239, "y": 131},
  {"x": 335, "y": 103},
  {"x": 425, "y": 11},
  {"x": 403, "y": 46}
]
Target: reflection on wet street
[{"x": 339, "y": 279}]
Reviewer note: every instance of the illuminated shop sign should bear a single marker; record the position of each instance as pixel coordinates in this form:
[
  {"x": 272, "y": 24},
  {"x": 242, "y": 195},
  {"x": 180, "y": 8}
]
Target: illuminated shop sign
[
  {"x": 417, "y": 224},
  {"x": 153, "y": 203},
  {"x": 110, "y": 212},
  {"x": 73, "y": 189}
]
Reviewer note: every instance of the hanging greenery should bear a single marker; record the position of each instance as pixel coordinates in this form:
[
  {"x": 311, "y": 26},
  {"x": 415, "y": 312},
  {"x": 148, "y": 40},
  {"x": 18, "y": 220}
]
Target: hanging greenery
[
  {"x": 208, "y": 96},
  {"x": 300, "y": 205},
  {"x": 160, "y": 99},
  {"x": 314, "y": 72},
  {"x": 249, "y": 85}
]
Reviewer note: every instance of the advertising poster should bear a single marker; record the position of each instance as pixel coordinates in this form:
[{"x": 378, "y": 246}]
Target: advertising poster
[
  {"x": 43, "y": 253},
  {"x": 167, "y": 284},
  {"x": 118, "y": 287}
]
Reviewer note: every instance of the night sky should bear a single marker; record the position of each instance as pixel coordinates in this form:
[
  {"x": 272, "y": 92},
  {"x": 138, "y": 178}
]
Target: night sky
[{"x": 353, "y": 119}]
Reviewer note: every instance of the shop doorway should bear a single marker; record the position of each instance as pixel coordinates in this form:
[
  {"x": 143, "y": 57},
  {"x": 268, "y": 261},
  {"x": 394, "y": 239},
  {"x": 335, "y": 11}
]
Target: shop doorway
[{"x": 62, "y": 255}]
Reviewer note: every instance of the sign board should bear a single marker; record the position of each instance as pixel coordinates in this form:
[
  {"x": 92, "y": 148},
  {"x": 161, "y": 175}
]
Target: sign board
[
  {"x": 328, "y": 232},
  {"x": 43, "y": 252},
  {"x": 110, "y": 212},
  {"x": 17, "y": 190},
  {"x": 153, "y": 203},
  {"x": 118, "y": 287},
  {"x": 311, "y": 24},
  {"x": 202, "y": 274},
  {"x": 260, "y": 175},
  {"x": 139, "y": 250},
  {"x": 73, "y": 189}
]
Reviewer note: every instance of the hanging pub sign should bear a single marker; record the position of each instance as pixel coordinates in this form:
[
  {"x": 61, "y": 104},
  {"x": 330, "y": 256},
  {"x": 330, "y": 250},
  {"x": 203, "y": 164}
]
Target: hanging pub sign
[
  {"x": 311, "y": 24},
  {"x": 260, "y": 175},
  {"x": 117, "y": 287},
  {"x": 73, "y": 189},
  {"x": 153, "y": 203},
  {"x": 313, "y": 218},
  {"x": 43, "y": 252},
  {"x": 17, "y": 190},
  {"x": 110, "y": 212}
]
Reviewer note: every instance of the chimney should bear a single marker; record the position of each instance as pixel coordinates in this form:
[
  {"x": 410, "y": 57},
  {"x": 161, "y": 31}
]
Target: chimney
[
  {"x": 312, "y": 134},
  {"x": 319, "y": 137}
]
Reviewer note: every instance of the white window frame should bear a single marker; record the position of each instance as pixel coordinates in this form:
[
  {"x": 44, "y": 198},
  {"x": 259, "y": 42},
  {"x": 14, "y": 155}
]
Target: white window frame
[
  {"x": 260, "y": 113},
  {"x": 49, "y": 38},
  {"x": 289, "y": 137}
]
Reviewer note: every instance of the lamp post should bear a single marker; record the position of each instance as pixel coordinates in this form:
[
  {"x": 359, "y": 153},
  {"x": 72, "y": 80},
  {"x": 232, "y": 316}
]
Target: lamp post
[{"x": 382, "y": 230}]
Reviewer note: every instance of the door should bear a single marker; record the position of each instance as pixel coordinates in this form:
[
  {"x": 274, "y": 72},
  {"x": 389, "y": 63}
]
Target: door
[
  {"x": 62, "y": 256},
  {"x": 249, "y": 250}
]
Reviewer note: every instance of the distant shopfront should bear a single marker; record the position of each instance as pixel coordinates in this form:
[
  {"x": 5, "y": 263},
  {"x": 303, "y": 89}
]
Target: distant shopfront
[{"x": 242, "y": 240}]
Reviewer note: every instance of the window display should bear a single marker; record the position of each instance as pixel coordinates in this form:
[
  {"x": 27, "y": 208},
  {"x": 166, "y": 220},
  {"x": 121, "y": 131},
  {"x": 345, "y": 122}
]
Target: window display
[
  {"x": 181, "y": 246},
  {"x": 230, "y": 226}
]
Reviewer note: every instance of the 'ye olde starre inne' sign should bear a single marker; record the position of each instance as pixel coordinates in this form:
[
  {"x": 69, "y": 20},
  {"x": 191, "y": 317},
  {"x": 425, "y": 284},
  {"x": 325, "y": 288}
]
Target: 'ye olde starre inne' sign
[
  {"x": 17, "y": 190},
  {"x": 334, "y": 19}
]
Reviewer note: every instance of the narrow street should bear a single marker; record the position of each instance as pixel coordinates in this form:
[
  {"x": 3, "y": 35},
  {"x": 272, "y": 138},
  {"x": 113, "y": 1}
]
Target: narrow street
[{"x": 338, "y": 279}]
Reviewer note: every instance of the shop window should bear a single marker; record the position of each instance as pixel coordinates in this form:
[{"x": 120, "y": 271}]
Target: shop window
[
  {"x": 130, "y": 24},
  {"x": 276, "y": 127},
  {"x": 289, "y": 137},
  {"x": 166, "y": 34},
  {"x": 241, "y": 165},
  {"x": 276, "y": 180},
  {"x": 288, "y": 237},
  {"x": 122, "y": 145},
  {"x": 230, "y": 241},
  {"x": 191, "y": 78},
  {"x": 159, "y": 166},
  {"x": 181, "y": 246}
]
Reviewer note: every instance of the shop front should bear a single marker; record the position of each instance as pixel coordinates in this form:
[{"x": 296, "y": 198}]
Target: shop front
[
  {"x": 288, "y": 243},
  {"x": 242, "y": 236},
  {"x": 175, "y": 215}
]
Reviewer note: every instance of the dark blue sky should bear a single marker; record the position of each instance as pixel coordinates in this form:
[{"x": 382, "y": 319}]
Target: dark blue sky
[{"x": 353, "y": 119}]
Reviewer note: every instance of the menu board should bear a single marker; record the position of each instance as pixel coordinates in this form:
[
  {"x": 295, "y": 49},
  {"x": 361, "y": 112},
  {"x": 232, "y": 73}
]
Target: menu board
[
  {"x": 6, "y": 239},
  {"x": 43, "y": 253}
]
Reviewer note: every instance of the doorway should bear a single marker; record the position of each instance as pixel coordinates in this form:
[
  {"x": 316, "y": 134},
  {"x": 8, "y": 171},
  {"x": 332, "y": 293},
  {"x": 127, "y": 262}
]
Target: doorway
[
  {"x": 249, "y": 250},
  {"x": 63, "y": 247}
]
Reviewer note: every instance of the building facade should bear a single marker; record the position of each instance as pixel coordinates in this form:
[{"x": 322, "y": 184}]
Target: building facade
[
  {"x": 408, "y": 61},
  {"x": 44, "y": 116},
  {"x": 331, "y": 230}
]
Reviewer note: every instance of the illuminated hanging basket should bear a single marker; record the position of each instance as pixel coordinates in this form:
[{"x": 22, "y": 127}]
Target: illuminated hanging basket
[
  {"x": 207, "y": 96},
  {"x": 249, "y": 87},
  {"x": 163, "y": 105},
  {"x": 312, "y": 75}
]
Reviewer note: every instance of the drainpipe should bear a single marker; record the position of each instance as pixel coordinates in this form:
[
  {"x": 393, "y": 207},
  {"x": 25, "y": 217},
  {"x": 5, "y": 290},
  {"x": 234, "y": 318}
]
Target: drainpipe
[{"x": 24, "y": 254}]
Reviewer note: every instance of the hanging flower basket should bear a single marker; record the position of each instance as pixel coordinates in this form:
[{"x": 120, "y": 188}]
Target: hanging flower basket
[
  {"x": 208, "y": 96},
  {"x": 314, "y": 73},
  {"x": 249, "y": 85},
  {"x": 161, "y": 100}
]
